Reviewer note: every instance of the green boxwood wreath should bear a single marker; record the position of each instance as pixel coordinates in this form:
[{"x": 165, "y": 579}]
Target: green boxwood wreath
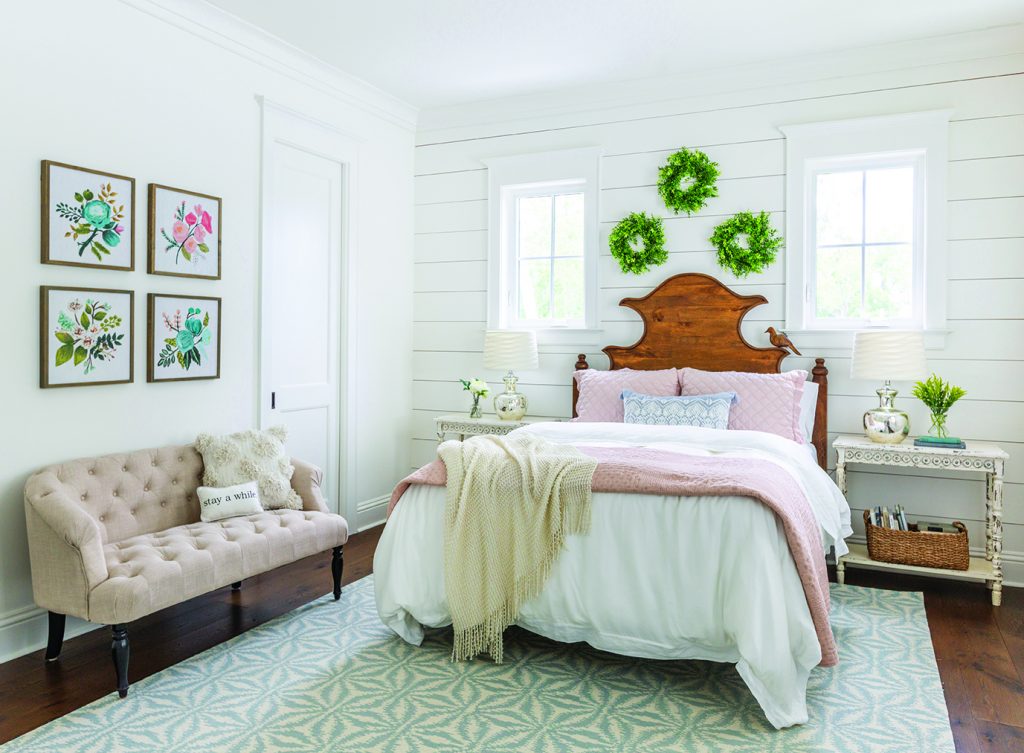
[
  {"x": 696, "y": 166},
  {"x": 643, "y": 227},
  {"x": 762, "y": 241}
]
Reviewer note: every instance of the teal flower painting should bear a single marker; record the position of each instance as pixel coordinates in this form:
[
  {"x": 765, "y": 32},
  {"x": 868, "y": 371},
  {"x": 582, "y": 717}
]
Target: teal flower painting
[
  {"x": 95, "y": 220},
  {"x": 191, "y": 335},
  {"x": 184, "y": 337},
  {"x": 88, "y": 217}
]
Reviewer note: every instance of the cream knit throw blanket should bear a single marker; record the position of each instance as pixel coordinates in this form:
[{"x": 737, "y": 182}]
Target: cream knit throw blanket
[{"x": 511, "y": 502}]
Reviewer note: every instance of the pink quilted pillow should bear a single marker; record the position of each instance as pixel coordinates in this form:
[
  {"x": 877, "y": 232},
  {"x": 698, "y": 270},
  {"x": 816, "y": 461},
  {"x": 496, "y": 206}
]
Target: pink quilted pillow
[
  {"x": 767, "y": 402},
  {"x": 601, "y": 391}
]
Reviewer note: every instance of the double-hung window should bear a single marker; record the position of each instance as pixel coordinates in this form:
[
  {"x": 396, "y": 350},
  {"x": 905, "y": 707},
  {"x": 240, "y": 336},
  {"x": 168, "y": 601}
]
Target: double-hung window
[
  {"x": 543, "y": 243},
  {"x": 866, "y": 226}
]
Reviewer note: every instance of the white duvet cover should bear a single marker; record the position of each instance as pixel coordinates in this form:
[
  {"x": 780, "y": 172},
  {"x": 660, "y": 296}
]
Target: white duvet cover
[{"x": 657, "y": 577}]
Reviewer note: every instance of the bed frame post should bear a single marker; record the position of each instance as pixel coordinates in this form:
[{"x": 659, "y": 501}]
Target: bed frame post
[
  {"x": 581, "y": 364},
  {"x": 819, "y": 437}
]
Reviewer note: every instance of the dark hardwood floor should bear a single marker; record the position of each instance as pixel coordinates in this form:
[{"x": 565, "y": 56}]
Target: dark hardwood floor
[{"x": 980, "y": 649}]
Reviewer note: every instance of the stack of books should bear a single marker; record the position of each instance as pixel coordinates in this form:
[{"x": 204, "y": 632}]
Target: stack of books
[
  {"x": 945, "y": 443},
  {"x": 896, "y": 520}
]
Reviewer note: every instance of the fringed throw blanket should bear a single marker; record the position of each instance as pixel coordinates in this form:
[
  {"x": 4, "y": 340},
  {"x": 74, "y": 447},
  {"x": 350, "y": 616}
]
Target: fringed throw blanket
[{"x": 511, "y": 502}]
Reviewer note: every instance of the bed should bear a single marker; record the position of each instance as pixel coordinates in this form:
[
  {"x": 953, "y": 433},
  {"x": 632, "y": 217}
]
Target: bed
[{"x": 662, "y": 576}]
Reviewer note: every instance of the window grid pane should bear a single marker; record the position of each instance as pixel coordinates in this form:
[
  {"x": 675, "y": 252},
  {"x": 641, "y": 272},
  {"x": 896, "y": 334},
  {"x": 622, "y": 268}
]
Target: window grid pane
[
  {"x": 549, "y": 257},
  {"x": 864, "y": 251}
]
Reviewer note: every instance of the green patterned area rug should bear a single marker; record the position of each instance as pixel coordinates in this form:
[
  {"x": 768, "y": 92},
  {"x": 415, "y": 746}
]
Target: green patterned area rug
[{"x": 330, "y": 677}]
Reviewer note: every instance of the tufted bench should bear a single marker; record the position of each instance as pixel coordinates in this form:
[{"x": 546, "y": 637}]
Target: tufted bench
[{"x": 115, "y": 538}]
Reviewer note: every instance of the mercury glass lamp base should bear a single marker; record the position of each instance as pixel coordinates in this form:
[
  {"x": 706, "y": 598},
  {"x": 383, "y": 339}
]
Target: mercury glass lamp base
[
  {"x": 886, "y": 424},
  {"x": 510, "y": 405}
]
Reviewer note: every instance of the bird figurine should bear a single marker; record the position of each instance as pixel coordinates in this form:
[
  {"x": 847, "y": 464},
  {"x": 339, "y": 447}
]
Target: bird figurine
[{"x": 781, "y": 340}]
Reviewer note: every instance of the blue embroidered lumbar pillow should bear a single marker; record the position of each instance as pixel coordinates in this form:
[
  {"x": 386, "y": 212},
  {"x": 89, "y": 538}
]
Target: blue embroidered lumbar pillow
[{"x": 706, "y": 411}]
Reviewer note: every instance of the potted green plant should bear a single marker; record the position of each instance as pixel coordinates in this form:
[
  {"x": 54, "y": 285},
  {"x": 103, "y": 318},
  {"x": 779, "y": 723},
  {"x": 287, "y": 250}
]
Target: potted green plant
[{"x": 939, "y": 395}]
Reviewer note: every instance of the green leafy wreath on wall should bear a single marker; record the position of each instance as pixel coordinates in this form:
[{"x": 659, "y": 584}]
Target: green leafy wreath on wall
[
  {"x": 762, "y": 243},
  {"x": 645, "y": 228},
  {"x": 683, "y": 165}
]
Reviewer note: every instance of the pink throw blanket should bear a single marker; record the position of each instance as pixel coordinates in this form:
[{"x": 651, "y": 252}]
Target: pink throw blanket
[{"x": 637, "y": 470}]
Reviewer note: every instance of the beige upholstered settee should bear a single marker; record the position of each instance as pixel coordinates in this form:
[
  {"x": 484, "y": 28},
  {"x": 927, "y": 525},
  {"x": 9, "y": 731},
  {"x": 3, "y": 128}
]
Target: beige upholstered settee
[{"x": 114, "y": 538}]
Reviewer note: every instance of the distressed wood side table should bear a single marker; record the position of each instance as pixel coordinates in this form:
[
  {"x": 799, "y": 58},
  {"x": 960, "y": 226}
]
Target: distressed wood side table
[{"x": 978, "y": 457}]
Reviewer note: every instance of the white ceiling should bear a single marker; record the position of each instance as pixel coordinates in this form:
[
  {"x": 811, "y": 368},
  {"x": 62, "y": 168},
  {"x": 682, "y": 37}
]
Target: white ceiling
[{"x": 433, "y": 53}]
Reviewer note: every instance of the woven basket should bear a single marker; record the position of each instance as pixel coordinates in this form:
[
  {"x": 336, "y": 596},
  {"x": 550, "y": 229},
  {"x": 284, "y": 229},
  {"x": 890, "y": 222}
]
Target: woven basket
[{"x": 921, "y": 548}]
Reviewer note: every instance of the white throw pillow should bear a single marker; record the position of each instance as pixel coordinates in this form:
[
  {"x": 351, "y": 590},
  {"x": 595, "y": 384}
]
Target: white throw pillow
[
  {"x": 251, "y": 455},
  {"x": 228, "y": 501}
]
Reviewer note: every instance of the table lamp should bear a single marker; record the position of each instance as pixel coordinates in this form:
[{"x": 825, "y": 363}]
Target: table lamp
[
  {"x": 510, "y": 349},
  {"x": 888, "y": 355}
]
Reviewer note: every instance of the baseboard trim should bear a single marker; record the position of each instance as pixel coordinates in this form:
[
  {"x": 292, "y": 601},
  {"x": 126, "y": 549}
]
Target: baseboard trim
[
  {"x": 23, "y": 631},
  {"x": 372, "y": 512}
]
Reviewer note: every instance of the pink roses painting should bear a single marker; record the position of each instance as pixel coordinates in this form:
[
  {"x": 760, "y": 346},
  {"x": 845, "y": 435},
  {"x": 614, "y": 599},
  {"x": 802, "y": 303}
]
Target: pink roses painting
[
  {"x": 189, "y": 233},
  {"x": 188, "y": 243}
]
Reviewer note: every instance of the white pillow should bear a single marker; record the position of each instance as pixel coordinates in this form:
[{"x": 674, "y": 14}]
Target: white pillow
[
  {"x": 228, "y": 501},
  {"x": 808, "y": 408},
  {"x": 251, "y": 455}
]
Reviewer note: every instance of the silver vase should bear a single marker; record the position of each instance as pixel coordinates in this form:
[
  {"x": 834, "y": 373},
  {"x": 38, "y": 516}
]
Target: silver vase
[
  {"x": 510, "y": 405},
  {"x": 886, "y": 424}
]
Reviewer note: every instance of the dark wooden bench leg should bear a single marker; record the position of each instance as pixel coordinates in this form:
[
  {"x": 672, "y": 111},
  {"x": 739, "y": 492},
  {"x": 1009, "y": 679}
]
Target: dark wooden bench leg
[
  {"x": 337, "y": 563},
  {"x": 236, "y": 586},
  {"x": 56, "y": 636},
  {"x": 119, "y": 651}
]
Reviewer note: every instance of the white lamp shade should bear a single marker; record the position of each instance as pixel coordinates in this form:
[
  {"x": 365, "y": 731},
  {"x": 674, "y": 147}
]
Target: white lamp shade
[
  {"x": 510, "y": 349},
  {"x": 888, "y": 354}
]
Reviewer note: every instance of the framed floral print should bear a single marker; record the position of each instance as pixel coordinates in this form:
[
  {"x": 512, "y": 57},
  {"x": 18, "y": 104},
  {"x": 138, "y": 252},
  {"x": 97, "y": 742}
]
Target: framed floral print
[
  {"x": 88, "y": 217},
  {"x": 184, "y": 233},
  {"x": 184, "y": 338},
  {"x": 86, "y": 336}
]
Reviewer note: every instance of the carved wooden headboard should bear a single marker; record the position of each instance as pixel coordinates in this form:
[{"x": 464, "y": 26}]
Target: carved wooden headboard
[{"x": 694, "y": 320}]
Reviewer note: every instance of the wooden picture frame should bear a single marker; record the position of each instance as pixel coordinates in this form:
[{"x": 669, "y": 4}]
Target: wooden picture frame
[
  {"x": 67, "y": 237},
  {"x": 69, "y": 342},
  {"x": 174, "y": 224},
  {"x": 166, "y": 361}
]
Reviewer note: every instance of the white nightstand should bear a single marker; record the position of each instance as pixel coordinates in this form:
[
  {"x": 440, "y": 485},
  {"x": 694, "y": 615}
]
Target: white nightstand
[
  {"x": 979, "y": 457},
  {"x": 464, "y": 426}
]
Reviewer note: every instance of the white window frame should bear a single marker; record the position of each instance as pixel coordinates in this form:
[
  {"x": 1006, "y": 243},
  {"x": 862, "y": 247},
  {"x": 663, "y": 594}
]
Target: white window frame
[
  {"x": 864, "y": 143},
  {"x": 540, "y": 174}
]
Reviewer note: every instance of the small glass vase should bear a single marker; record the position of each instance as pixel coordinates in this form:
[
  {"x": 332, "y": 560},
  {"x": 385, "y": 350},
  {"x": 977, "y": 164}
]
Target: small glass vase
[
  {"x": 476, "y": 411},
  {"x": 938, "y": 427}
]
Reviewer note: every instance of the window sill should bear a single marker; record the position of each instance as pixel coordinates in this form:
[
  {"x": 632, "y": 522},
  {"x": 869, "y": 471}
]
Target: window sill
[
  {"x": 842, "y": 339},
  {"x": 569, "y": 336}
]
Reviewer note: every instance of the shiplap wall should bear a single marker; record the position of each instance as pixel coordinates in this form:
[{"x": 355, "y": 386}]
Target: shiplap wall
[{"x": 985, "y": 348}]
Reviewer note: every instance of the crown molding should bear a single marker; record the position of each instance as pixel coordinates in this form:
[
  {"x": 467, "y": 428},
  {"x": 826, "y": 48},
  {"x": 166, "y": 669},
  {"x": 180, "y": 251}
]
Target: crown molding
[
  {"x": 571, "y": 105},
  {"x": 231, "y": 33}
]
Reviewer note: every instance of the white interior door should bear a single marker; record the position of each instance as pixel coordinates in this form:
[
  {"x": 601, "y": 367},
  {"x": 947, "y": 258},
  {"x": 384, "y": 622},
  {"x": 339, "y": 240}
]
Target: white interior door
[{"x": 302, "y": 265}]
